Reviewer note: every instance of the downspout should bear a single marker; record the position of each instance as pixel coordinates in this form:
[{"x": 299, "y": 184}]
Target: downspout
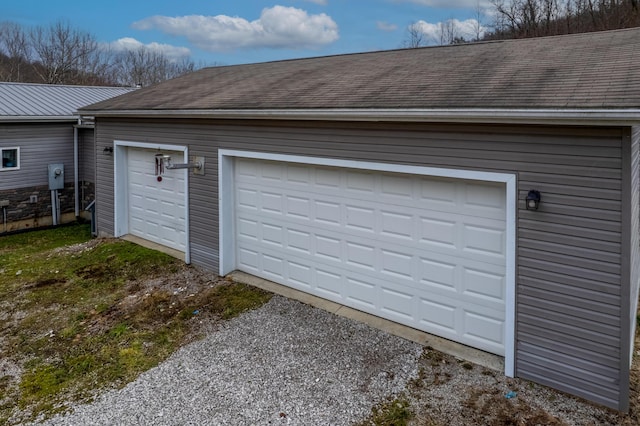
[{"x": 76, "y": 172}]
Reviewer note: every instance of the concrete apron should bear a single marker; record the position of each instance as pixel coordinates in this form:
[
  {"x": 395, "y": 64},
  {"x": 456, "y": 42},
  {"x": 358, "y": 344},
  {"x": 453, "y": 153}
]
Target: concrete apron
[{"x": 457, "y": 350}]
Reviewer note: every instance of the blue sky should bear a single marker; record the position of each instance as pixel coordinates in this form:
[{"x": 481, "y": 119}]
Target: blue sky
[{"x": 243, "y": 31}]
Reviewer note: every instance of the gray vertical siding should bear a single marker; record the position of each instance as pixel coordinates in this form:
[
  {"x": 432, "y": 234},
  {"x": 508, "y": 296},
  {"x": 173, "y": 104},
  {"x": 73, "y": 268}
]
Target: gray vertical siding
[
  {"x": 87, "y": 154},
  {"x": 40, "y": 144},
  {"x": 86, "y": 165},
  {"x": 104, "y": 180},
  {"x": 569, "y": 268}
]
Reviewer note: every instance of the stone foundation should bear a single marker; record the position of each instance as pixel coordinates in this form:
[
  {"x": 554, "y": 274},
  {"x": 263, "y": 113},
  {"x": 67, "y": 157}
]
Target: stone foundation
[{"x": 31, "y": 207}]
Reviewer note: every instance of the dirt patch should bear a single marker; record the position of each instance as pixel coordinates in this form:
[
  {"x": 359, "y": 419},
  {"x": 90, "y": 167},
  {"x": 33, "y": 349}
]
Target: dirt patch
[
  {"x": 79, "y": 248},
  {"x": 47, "y": 282},
  {"x": 493, "y": 408},
  {"x": 453, "y": 392}
]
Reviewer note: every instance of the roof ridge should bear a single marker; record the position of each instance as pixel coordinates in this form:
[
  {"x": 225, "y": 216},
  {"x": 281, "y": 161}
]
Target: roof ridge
[{"x": 445, "y": 46}]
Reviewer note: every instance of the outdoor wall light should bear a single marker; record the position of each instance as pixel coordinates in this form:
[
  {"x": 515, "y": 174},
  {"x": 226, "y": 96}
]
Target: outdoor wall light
[
  {"x": 533, "y": 200},
  {"x": 108, "y": 149}
]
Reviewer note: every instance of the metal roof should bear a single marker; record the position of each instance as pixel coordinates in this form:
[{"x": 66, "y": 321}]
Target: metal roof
[
  {"x": 590, "y": 71},
  {"x": 23, "y": 101}
]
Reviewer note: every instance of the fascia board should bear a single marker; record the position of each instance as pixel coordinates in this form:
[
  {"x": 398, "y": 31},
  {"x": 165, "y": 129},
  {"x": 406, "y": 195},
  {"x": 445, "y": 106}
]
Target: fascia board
[
  {"x": 37, "y": 119},
  {"x": 589, "y": 117}
]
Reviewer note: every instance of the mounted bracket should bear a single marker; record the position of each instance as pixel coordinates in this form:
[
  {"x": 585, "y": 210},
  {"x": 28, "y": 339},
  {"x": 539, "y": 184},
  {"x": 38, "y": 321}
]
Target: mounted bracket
[{"x": 163, "y": 161}]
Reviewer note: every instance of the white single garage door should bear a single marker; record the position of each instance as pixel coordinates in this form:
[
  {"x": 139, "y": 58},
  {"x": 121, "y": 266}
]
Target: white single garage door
[
  {"x": 156, "y": 208},
  {"x": 422, "y": 251}
]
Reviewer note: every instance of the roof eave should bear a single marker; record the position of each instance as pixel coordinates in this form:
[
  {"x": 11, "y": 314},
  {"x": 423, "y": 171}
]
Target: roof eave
[
  {"x": 590, "y": 117},
  {"x": 38, "y": 119}
]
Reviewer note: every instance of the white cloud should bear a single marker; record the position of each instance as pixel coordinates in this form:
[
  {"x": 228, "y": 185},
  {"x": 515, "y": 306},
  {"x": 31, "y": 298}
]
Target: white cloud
[
  {"x": 277, "y": 27},
  {"x": 468, "y": 29},
  {"x": 385, "y": 26},
  {"x": 450, "y": 4},
  {"x": 171, "y": 52}
]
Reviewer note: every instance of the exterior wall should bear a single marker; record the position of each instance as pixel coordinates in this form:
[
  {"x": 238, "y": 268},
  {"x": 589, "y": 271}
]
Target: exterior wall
[
  {"x": 569, "y": 267},
  {"x": 87, "y": 169},
  {"x": 42, "y": 144}
]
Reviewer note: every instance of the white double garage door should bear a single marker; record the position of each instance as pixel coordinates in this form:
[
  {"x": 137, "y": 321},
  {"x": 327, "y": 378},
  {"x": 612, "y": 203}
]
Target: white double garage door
[{"x": 430, "y": 252}]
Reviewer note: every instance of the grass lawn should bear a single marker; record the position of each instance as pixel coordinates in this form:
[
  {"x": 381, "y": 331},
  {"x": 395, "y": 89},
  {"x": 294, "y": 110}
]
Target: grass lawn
[{"x": 80, "y": 314}]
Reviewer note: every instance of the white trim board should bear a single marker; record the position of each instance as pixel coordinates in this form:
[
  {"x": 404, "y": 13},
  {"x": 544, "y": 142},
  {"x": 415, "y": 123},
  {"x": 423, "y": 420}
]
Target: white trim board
[
  {"x": 584, "y": 117},
  {"x": 227, "y": 225},
  {"x": 120, "y": 204}
]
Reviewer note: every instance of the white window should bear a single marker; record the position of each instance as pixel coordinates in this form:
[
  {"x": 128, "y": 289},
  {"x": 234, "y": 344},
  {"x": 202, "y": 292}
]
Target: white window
[{"x": 10, "y": 159}]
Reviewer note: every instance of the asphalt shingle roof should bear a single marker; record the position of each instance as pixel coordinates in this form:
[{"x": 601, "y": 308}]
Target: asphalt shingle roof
[
  {"x": 46, "y": 100},
  {"x": 591, "y": 71}
]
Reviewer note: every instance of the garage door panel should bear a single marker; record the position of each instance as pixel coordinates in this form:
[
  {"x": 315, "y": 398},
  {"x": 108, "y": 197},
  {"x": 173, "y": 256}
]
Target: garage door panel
[
  {"x": 487, "y": 198},
  {"x": 247, "y": 198},
  {"x": 328, "y": 247},
  {"x": 299, "y": 241},
  {"x": 459, "y": 235},
  {"x": 360, "y": 218},
  {"x": 299, "y": 274},
  {"x": 273, "y": 234},
  {"x": 249, "y": 260},
  {"x": 483, "y": 331},
  {"x": 440, "y": 239},
  {"x": 328, "y": 212},
  {"x": 328, "y": 283},
  {"x": 343, "y": 250},
  {"x": 485, "y": 240},
  {"x": 273, "y": 266},
  {"x": 439, "y": 193},
  {"x": 156, "y": 209},
  {"x": 437, "y": 275},
  {"x": 397, "y": 304},
  {"x": 426, "y": 252},
  {"x": 397, "y": 225},
  {"x": 298, "y": 174},
  {"x": 396, "y": 264},
  {"x": 439, "y": 315},
  {"x": 360, "y": 256},
  {"x": 298, "y": 206},
  {"x": 361, "y": 293},
  {"x": 484, "y": 284},
  {"x": 271, "y": 202}
]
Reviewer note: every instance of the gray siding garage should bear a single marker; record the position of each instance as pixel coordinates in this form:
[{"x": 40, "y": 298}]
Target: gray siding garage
[{"x": 391, "y": 204}]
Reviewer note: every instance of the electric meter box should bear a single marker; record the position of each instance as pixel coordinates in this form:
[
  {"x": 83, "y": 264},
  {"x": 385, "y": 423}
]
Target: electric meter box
[{"x": 56, "y": 176}]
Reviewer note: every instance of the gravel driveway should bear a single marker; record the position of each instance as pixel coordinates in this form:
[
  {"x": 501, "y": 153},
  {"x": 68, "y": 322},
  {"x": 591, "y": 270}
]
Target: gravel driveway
[{"x": 284, "y": 363}]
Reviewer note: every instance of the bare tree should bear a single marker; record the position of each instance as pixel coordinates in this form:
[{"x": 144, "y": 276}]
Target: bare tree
[
  {"x": 414, "y": 36},
  {"x": 535, "y": 18},
  {"x": 144, "y": 67},
  {"x": 449, "y": 33},
  {"x": 62, "y": 54},
  {"x": 478, "y": 27},
  {"x": 61, "y": 51},
  {"x": 14, "y": 48}
]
